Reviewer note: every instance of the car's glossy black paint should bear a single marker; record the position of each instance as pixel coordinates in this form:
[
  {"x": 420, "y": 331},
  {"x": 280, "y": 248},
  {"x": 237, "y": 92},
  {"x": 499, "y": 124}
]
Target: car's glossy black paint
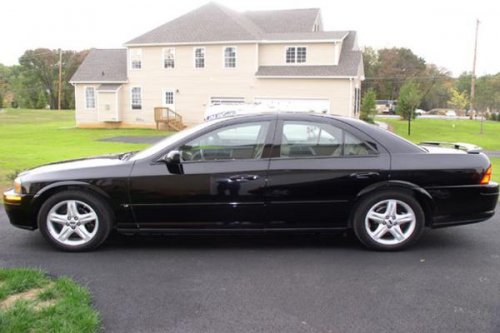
[{"x": 270, "y": 193}]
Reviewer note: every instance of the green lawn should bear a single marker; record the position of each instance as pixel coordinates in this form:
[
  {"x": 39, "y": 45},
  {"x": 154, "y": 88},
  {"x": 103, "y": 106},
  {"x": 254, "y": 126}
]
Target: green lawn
[
  {"x": 31, "y": 302},
  {"x": 452, "y": 130},
  {"x": 32, "y": 137}
]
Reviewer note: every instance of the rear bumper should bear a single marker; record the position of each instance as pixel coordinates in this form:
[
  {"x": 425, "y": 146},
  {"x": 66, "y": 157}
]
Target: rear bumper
[
  {"x": 459, "y": 205},
  {"x": 18, "y": 209}
]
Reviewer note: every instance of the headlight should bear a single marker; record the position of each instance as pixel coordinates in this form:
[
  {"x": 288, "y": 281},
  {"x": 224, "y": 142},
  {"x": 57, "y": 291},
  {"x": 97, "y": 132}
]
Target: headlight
[{"x": 17, "y": 186}]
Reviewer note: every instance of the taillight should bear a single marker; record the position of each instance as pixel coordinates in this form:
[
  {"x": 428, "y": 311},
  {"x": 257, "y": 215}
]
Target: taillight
[{"x": 486, "y": 176}]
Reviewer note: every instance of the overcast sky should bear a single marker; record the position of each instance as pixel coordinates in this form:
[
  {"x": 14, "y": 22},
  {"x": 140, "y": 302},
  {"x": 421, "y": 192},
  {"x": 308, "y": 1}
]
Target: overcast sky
[{"x": 440, "y": 31}]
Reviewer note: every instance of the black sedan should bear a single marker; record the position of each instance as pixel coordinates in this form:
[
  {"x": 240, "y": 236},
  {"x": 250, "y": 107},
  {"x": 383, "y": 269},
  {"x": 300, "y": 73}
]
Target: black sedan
[{"x": 280, "y": 172}]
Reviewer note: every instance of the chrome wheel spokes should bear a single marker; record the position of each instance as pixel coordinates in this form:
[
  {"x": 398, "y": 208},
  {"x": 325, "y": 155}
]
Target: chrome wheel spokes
[
  {"x": 72, "y": 222},
  {"x": 390, "y": 222}
]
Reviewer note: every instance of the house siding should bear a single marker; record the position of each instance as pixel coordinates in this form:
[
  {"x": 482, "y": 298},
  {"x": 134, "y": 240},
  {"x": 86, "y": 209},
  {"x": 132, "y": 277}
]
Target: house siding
[
  {"x": 193, "y": 87},
  {"x": 317, "y": 54}
]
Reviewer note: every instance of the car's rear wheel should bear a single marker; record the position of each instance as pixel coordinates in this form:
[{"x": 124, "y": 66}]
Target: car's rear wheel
[
  {"x": 390, "y": 220},
  {"x": 74, "y": 221}
]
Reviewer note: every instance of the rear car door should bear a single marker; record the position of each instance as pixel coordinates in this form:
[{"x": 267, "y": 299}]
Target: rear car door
[{"x": 318, "y": 167}]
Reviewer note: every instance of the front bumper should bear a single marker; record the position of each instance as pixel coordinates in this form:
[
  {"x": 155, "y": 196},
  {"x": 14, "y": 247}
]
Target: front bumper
[
  {"x": 18, "y": 209},
  {"x": 458, "y": 205}
]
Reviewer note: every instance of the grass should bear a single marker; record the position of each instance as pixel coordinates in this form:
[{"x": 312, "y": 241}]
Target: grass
[
  {"x": 33, "y": 137},
  {"x": 32, "y": 302},
  {"x": 452, "y": 130}
]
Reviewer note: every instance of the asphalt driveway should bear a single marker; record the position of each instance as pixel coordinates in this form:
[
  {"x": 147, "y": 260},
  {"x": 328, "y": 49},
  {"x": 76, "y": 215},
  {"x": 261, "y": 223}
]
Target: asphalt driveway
[{"x": 450, "y": 282}]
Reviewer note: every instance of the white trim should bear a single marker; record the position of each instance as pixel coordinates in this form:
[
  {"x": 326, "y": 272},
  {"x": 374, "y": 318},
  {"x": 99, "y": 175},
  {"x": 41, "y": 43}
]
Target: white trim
[
  {"x": 204, "y": 57},
  {"x": 163, "y": 58},
  {"x": 302, "y": 77},
  {"x": 257, "y": 56},
  {"x": 130, "y": 99},
  {"x": 96, "y": 82},
  {"x": 116, "y": 90},
  {"x": 130, "y": 59},
  {"x": 85, "y": 98},
  {"x": 224, "y": 57},
  {"x": 350, "y": 97},
  {"x": 261, "y": 41},
  {"x": 163, "y": 98}
]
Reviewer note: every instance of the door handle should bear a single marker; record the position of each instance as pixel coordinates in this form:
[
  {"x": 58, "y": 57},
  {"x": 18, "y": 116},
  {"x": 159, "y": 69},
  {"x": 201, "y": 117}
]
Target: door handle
[
  {"x": 243, "y": 178},
  {"x": 364, "y": 175}
]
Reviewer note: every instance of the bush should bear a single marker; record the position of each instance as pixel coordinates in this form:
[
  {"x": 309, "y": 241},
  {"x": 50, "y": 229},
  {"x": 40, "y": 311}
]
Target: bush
[{"x": 368, "y": 107}]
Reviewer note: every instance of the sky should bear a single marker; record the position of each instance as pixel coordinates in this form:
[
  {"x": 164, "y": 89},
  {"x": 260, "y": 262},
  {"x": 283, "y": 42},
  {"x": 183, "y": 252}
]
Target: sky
[{"x": 440, "y": 31}]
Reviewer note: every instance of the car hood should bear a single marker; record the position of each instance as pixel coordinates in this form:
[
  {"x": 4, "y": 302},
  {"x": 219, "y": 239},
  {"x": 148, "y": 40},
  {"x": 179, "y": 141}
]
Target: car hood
[{"x": 75, "y": 164}]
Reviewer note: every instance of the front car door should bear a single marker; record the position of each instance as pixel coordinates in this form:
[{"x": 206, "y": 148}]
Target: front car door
[
  {"x": 318, "y": 166},
  {"x": 218, "y": 184}
]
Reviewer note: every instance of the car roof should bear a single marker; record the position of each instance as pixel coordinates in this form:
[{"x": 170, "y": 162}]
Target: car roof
[{"x": 391, "y": 141}]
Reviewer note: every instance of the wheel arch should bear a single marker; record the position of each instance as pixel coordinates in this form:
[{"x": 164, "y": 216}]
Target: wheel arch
[
  {"x": 46, "y": 192},
  {"x": 421, "y": 195}
]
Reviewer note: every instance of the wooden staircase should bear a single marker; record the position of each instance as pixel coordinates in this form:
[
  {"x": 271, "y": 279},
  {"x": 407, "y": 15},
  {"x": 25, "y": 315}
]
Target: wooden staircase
[{"x": 169, "y": 117}]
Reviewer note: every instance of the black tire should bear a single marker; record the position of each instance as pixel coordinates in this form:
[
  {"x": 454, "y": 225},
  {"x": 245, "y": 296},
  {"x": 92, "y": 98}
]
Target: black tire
[
  {"x": 85, "y": 203},
  {"x": 408, "y": 233}
]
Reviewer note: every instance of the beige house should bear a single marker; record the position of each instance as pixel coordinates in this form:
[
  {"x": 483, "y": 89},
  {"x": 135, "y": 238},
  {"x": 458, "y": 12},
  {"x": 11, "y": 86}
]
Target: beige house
[{"x": 214, "y": 55}]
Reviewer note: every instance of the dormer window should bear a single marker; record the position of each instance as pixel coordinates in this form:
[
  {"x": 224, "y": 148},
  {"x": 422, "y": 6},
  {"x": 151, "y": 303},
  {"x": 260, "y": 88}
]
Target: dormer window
[
  {"x": 296, "y": 54},
  {"x": 135, "y": 58}
]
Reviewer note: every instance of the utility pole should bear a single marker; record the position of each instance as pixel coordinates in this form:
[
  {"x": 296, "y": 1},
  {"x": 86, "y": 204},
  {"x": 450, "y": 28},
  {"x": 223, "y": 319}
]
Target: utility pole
[
  {"x": 473, "y": 78},
  {"x": 60, "y": 81}
]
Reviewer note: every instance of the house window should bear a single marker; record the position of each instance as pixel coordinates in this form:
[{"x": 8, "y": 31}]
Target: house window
[
  {"x": 136, "y": 98},
  {"x": 169, "y": 97},
  {"x": 296, "y": 55},
  {"x": 199, "y": 57},
  {"x": 90, "y": 98},
  {"x": 169, "y": 58},
  {"x": 357, "y": 100},
  {"x": 290, "y": 55},
  {"x": 229, "y": 57},
  {"x": 136, "y": 58}
]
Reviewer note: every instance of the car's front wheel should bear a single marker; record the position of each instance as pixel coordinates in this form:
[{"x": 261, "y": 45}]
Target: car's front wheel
[
  {"x": 390, "y": 220},
  {"x": 74, "y": 221}
]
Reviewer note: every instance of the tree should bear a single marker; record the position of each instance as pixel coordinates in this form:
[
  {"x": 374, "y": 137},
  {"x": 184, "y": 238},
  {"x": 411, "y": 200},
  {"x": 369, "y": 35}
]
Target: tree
[
  {"x": 458, "y": 100},
  {"x": 409, "y": 98},
  {"x": 40, "y": 70},
  {"x": 368, "y": 107}
]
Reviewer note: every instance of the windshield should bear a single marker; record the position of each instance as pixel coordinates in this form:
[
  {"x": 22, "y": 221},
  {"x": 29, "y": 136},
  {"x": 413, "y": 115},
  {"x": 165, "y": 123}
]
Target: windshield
[{"x": 158, "y": 147}]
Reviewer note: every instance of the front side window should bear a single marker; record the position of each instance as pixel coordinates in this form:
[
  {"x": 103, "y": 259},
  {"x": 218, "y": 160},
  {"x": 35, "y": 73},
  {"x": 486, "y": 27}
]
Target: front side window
[
  {"x": 199, "y": 57},
  {"x": 236, "y": 142},
  {"x": 296, "y": 55},
  {"x": 90, "y": 98},
  {"x": 136, "y": 98},
  {"x": 169, "y": 58},
  {"x": 230, "y": 57},
  {"x": 308, "y": 139},
  {"x": 136, "y": 58}
]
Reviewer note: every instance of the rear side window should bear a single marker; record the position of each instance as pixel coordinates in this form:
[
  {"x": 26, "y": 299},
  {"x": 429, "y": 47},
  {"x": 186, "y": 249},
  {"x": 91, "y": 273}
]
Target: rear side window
[{"x": 305, "y": 139}]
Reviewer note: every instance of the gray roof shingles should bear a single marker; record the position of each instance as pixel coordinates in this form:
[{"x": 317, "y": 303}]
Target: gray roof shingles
[
  {"x": 103, "y": 65},
  {"x": 279, "y": 21},
  {"x": 209, "y": 23}
]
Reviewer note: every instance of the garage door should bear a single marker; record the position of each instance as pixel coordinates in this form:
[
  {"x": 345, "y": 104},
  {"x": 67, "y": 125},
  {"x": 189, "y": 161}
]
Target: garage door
[{"x": 297, "y": 104}]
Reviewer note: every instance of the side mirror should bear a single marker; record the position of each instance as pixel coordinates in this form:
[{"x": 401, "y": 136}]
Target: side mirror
[{"x": 172, "y": 157}]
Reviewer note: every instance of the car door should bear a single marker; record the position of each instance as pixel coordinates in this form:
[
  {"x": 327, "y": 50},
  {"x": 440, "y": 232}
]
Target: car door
[
  {"x": 318, "y": 167},
  {"x": 218, "y": 183}
]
